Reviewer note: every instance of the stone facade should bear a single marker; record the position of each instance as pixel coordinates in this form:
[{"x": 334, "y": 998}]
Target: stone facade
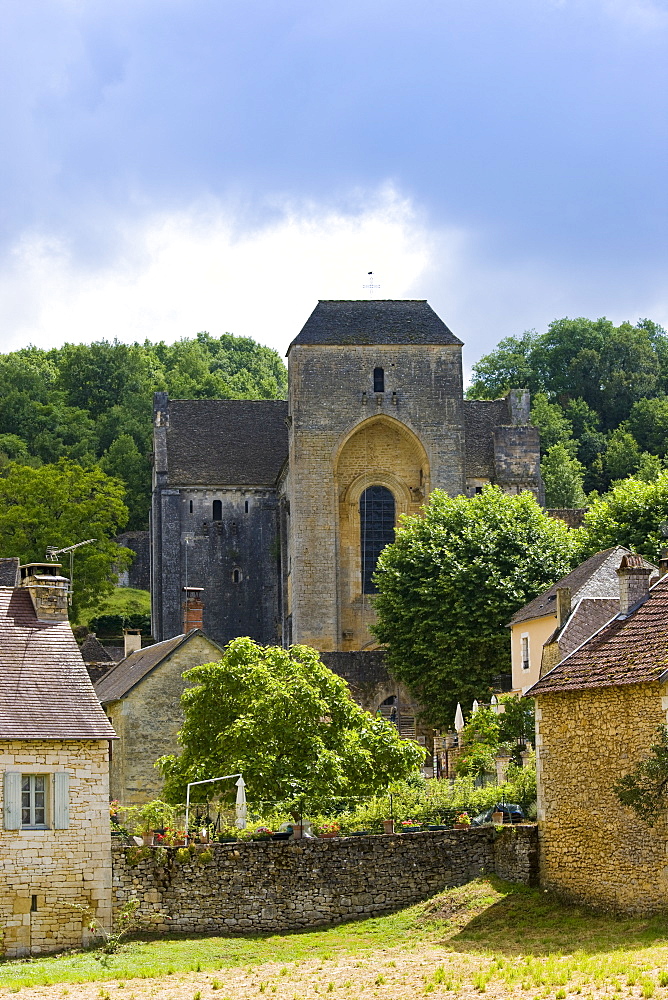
[
  {"x": 147, "y": 715},
  {"x": 268, "y": 887},
  {"x": 48, "y": 875},
  {"x": 592, "y": 849},
  {"x": 258, "y": 502}
]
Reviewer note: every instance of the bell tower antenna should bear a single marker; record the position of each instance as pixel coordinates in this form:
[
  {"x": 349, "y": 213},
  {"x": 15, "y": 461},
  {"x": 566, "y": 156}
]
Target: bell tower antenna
[{"x": 371, "y": 285}]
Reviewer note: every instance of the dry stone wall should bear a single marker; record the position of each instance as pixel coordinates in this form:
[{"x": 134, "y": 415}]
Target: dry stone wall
[{"x": 271, "y": 886}]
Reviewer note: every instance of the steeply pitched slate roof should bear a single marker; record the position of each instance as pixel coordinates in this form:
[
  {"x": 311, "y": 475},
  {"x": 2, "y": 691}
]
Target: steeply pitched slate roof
[
  {"x": 45, "y": 692},
  {"x": 589, "y": 615},
  {"x": 342, "y": 322},
  {"x": 545, "y": 603},
  {"x": 629, "y": 650},
  {"x": 126, "y": 674},
  {"x": 221, "y": 442},
  {"x": 92, "y": 651}
]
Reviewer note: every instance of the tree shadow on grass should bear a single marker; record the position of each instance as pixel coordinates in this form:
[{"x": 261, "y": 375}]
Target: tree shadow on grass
[{"x": 494, "y": 916}]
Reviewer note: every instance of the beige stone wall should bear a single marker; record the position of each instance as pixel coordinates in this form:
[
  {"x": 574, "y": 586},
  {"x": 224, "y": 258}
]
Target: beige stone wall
[
  {"x": 538, "y": 630},
  {"x": 147, "y": 721},
  {"x": 331, "y": 396},
  {"x": 45, "y": 874},
  {"x": 593, "y": 849}
]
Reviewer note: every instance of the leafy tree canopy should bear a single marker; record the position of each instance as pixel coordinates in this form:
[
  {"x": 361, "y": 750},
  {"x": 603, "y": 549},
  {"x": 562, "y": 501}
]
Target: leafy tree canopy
[
  {"x": 598, "y": 390},
  {"x": 631, "y": 514},
  {"x": 91, "y": 403},
  {"x": 60, "y": 505},
  {"x": 449, "y": 583},
  {"x": 288, "y": 723}
]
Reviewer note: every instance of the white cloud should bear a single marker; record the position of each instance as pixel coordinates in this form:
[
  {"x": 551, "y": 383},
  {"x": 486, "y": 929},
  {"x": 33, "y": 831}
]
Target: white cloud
[{"x": 175, "y": 274}]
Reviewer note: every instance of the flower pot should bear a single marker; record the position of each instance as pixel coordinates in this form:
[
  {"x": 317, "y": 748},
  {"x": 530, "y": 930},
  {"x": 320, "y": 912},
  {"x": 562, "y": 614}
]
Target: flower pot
[
  {"x": 147, "y": 838},
  {"x": 462, "y": 826},
  {"x": 497, "y": 818},
  {"x": 328, "y": 836},
  {"x": 297, "y": 831},
  {"x": 388, "y": 825}
]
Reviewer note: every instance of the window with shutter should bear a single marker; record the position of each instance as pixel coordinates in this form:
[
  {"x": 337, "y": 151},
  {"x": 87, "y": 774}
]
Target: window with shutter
[
  {"x": 61, "y": 800},
  {"x": 12, "y": 800}
]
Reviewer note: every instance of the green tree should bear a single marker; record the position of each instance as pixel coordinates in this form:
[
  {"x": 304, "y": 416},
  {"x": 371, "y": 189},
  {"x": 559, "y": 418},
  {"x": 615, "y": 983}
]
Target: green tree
[
  {"x": 517, "y": 721},
  {"x": 644, "y": 788},
  {"x": 622, "y": 455},
  {"x": 60, "y": 505},
  {"x": 509, "y": 366},
  {"x": 449, "y": 583},
  {"x": 288, "y": 723},
  {"x": 124, "y": 461},
  {"x": 648, "y": 423},
  {"x": 631, "y": 514},
  {"x": 563, "y": 477},
  {"x": 554, "y": 427}
]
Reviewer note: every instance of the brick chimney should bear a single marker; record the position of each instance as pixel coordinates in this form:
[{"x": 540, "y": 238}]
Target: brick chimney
[
  {"x": 633, "y": 582},
  {"x": 48, "y": 589},
  {"x": 131, "y": 640},
  {"x": 193, "y": 608},
  {"x": 563, "y": 605}
]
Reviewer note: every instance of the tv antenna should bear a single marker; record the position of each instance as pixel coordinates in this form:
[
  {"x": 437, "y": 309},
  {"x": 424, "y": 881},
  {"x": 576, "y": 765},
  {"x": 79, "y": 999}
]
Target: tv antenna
[
  {"x": 371, "y": 285},
  {"x": 52, "y": 554}
]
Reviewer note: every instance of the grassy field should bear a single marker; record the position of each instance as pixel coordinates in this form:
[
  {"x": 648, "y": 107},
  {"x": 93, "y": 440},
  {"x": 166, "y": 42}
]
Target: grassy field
[{"x": 488, "y": 937}]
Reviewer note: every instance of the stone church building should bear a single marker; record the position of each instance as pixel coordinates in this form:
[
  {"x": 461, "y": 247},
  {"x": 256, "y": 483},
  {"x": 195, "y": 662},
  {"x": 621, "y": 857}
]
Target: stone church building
[{"x": 268, "y": 515}]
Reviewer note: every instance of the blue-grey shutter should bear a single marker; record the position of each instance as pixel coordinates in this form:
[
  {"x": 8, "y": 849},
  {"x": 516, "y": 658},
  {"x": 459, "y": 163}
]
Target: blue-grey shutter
[
  {"x": 12, "y": 794},
  {"x": 61, "y": 800}
]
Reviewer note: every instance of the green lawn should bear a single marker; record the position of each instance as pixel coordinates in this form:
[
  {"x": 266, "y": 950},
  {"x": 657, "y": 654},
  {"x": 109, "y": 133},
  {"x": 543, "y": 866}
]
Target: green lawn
[{"x": 488, "y": 936}]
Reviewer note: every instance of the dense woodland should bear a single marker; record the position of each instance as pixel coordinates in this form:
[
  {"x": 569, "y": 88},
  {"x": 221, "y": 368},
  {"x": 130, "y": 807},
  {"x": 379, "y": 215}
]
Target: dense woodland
[
  {"x": 92, "y": 403},
  {"x": 599, "y": 397}
]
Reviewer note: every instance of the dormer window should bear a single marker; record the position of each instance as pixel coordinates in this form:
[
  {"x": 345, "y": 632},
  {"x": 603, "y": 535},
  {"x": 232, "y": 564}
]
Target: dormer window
[{"x": 379, "y": 380}]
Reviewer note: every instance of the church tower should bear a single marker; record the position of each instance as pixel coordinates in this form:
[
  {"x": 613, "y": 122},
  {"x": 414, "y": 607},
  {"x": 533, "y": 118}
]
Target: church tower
[{"x": 376, "y": 421}]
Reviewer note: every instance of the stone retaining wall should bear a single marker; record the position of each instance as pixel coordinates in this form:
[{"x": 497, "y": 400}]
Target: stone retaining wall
[{"x": 271, "y": 886}]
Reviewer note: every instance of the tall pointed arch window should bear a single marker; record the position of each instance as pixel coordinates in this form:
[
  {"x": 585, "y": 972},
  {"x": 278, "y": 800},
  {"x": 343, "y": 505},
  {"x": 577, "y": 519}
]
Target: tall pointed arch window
[{"x": 377, "y": 517}]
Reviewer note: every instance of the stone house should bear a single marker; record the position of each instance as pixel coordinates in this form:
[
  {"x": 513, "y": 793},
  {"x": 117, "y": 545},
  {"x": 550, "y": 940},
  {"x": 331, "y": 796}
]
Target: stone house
[
  {"x": 278, "y": 510},
  {"x": 597, "y": 715},
  {"x": 560, "y": 619},
  {"x": 141, "y": 696},
  {"x": 55, "y": 846}
]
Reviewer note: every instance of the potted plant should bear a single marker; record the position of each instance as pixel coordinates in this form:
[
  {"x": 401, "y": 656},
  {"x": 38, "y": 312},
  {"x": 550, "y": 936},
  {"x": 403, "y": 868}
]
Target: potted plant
[
  {"x": 388, "y": 825},
  {"x": 327, "y": 831},
  {"x": 462, "y": 821},
  {"x": 497, "y": 817},
  {"x": 144, "y": 820},
  {"x": 409, "y": 825},
  {"x": 263, "y": 833}
]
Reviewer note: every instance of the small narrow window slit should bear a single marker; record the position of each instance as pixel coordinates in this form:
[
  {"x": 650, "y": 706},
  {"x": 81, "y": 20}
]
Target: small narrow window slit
[{"x": 379, "y": 380}]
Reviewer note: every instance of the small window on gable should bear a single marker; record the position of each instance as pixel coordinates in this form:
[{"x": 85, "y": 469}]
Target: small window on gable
[
  {"x": 379, "y": 380},
  {"x": 525, "y": 652},
  {"x": 246, "y": 506},
  {"x": 191, "y": 506},
  {"x": 236, "y": 576},
  {"x": 217, "y": 510}
]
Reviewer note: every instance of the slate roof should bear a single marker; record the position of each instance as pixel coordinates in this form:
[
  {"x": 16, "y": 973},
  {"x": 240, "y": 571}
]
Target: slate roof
[
  {"x": 120, "y": 680},
  {"x": 629, "y": 650},
  {"x": 92, "y": 650},
  {"x": 589, "y": 615},
  {"x": 220, "y": 442},
  {"x": 545, "y": 603},
  {"x": 354, "y": 322},
  {"x": 45, "y": 692}
]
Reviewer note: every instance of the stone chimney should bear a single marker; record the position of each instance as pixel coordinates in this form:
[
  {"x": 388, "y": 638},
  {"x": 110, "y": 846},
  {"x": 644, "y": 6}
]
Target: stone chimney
[
  {"x": 48, "y": 589},
  {"x": 131, "y": 640},
  {"x": 563, "y": 605},
  {"x": 663, "y": 563},
  {"x": 193, "y": 608},
  {"x": 633, "y": 582}
]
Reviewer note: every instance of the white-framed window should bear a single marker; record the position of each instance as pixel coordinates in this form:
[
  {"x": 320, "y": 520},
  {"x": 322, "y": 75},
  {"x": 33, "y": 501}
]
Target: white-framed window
[
  {"x": 524, "y": 642},
  {"x": 36, "y": 801},
  {"x": 33, "y": 801}
]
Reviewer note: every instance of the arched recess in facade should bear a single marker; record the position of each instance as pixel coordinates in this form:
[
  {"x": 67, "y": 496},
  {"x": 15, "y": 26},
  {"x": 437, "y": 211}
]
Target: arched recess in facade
[{"x": 381, "y": 451}]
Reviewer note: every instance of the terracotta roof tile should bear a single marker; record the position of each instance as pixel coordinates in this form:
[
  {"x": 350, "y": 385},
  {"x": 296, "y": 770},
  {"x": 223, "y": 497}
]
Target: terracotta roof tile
[
  {"x": 628, "y": 650},
  {"x": 45, "y": 691}
]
